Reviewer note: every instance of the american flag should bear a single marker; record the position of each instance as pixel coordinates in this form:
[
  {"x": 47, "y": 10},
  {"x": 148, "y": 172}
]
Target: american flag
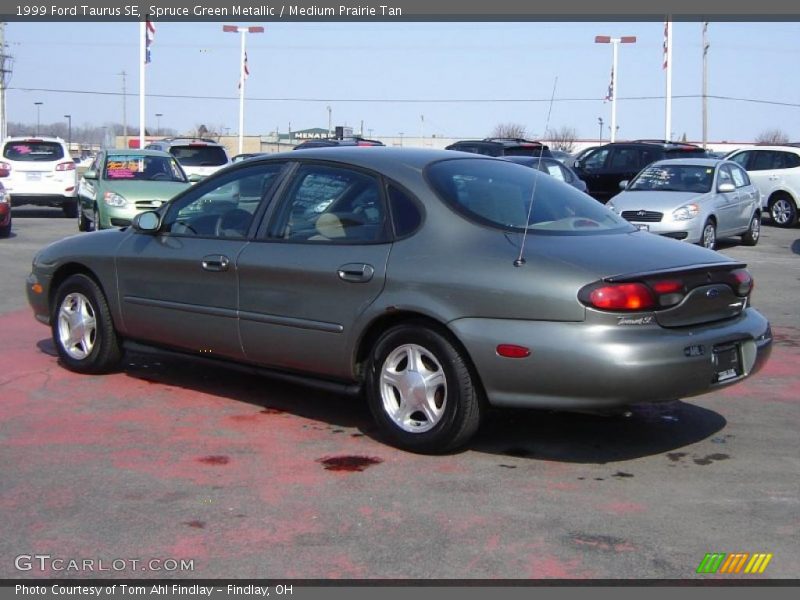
[
  {"x": 610, "y": 94},
  {"x": 149, "y": 35},
  {"x": 246, "y": 69},
  {"x": 666, "y": 43}
]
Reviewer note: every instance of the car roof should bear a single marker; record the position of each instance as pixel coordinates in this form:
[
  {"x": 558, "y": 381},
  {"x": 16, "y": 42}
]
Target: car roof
[
  {"x": 384, "y": 158},
  {"x": 186, "y": 140},
  {"x": 696, "y": 162},
  {"x": 38, "y": 138},
  {"x": 782, "y": 148},
  {"x": 137, "y": 151}
]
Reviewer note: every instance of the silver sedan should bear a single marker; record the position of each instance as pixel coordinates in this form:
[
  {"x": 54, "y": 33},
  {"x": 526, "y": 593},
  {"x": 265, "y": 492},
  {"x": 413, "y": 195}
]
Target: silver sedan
[{"x": 694, "y": 200}]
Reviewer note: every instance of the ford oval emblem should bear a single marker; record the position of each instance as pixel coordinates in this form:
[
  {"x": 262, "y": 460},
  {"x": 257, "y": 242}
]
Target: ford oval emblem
[{"x": 712, "y": 293}]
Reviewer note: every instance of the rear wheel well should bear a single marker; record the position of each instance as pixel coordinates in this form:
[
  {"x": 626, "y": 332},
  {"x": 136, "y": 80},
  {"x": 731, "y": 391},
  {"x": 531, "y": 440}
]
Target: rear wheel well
[
  {"x": 382, "y": 324},
  {"x": 781, "y": 194}
]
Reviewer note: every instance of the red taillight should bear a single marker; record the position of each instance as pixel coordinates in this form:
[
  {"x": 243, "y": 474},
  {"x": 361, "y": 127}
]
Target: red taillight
[
  {"x": 66, "y": 166},
  {"x": 669, "y": 286},
  {"x": 742, "y": 282},
  {"x": 5, "y": 169},
  {"x": 622, "y": 296},
  {"x": 513, "y": 351}
]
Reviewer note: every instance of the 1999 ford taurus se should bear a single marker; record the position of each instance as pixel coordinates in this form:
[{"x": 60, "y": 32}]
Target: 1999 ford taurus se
[{"x": 440, "y": 283}]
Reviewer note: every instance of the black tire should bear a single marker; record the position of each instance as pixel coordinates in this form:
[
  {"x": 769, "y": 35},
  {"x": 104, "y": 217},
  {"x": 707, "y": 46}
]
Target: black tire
[
  {"x": 70, "y": 208},
  {"x": 5, "y": 230},
  {"x": 460, "y": 395},
  {"x": 95, "y": 223},
  {"x": 753, "y": 233},
  {"x": 708, "y": 238},
  {"x": 102, "y": 349},
  {"x": 783, "y": 210},
  {"x": 84, "y": 224}
]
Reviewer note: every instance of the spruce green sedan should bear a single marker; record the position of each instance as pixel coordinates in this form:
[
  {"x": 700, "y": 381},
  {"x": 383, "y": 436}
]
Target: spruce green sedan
[
  {"x": 437, "y": 283},
  {"x": 122, "y": 183}
]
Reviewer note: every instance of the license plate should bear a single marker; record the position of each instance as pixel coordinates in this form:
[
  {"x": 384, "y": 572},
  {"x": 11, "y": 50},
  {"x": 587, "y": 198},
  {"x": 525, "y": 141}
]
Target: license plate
[
  {"x": 727, "y": 362},
  {"x": 642, "y": 227},
  {"x": 34, "y": 176}
]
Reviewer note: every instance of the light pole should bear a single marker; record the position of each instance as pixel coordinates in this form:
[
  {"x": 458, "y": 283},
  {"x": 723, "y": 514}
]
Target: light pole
[
  {"x": 615, "y": 42},
  {"x": 330, "y": 120},
  {"x": 243, "y": 73},
  {"x": 401, "y": 139},
  {"x": 600, "y": 120},
  {"x": 69, "y": 132},
  {"x": 158, "y": 123},
  {"x": 38, "y": 106}
]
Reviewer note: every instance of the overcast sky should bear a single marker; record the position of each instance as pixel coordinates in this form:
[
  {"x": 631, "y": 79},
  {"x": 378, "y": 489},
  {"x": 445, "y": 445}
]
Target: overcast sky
[{"x": 370, "y": 72}]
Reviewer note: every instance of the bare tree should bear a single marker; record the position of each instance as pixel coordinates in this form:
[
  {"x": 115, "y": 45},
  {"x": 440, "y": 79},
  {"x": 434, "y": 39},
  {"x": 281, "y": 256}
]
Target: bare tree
[
  {"x": 508, "y": 130},
  {"x": 563, "y": 138},
  {"x": 772, "y": 136}
]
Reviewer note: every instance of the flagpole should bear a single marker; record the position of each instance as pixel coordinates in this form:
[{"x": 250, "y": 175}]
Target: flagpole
[
  {"x": 243, "y": 33},
  {"x": 142, "y": 67},
  {"x": 668, "y": 66}
]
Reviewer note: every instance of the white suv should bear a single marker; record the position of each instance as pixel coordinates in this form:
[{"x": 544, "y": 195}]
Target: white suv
[
  {"x": 39, "y": 170},
  {"x": 199, "y": 157},
  {"x": 775, "y": 171}
]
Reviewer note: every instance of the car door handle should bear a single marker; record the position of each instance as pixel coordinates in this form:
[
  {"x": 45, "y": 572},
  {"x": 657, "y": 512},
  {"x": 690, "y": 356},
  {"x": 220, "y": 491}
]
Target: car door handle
[
  {"x": 355, "y": 272},
  {"x": 216, "y": 262}
]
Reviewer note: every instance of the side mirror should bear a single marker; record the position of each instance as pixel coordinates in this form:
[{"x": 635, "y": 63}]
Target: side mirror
[
  {"x": 90, "y": 174},
  {"x": 194, "y": 178},
  {"x": 623, "y": 184},
  {"x": 726, "y": 188},
  {"x": 147, "y": 222},
  {"x": 576, "y": 164}
]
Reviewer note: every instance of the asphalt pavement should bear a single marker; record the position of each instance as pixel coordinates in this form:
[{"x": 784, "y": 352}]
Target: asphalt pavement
[{"x": 247, "y": 477}]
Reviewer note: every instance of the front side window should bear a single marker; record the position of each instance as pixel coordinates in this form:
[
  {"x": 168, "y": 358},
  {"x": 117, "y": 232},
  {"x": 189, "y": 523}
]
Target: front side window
[
  {"x": 724, "y": 175},
  {"x": 332, "y": 204},
  {"x": 739, "y": 177},
  {"x": 595, "y": 160},
  {"x": 224, "y": 206},
  {"x": 501, "y": 195},
  {"x": 740, "y": 159}
]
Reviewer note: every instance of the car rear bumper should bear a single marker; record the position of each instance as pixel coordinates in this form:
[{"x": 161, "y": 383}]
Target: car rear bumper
[
  {"x": 42, "y": 199},
  {"x": 584, "y": 366}
]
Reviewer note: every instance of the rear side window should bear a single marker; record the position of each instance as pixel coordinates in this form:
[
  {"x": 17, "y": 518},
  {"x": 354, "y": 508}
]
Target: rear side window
[
  {"x": 624, "y": 158},
  {"x": 199, "y": 156},
  {"x": 786, "y": 160},
  {"x": 405, "y": 213},
  {"x": 499, "y": 194},
  {"x": 33, "y": 151}
]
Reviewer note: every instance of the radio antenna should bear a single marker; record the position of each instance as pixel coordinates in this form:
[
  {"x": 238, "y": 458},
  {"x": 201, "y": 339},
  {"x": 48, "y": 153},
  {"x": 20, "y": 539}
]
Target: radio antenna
[{"x": 521, "y": 258}]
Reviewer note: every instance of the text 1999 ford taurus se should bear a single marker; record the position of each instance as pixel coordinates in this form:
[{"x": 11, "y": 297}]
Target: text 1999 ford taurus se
[{"x": 438, "y": 282}]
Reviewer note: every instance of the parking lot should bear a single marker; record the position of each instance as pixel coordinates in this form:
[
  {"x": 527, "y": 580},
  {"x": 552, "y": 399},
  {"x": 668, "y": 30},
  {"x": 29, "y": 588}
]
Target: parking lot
[{"x": 247, "y": 477}]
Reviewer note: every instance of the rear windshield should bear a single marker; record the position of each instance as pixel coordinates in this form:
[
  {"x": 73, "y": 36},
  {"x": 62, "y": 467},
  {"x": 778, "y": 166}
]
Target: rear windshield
[
  {"x": 685, "y": 153},
  {"x": 143, "y": 168},
  {"x": 200, "y": 156},
  {"x": 33, "y": 151},
  {"x": 498, "y": 193},
  {"x": 674, "y": 178},
  {"x": 526, "y": 151}
]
